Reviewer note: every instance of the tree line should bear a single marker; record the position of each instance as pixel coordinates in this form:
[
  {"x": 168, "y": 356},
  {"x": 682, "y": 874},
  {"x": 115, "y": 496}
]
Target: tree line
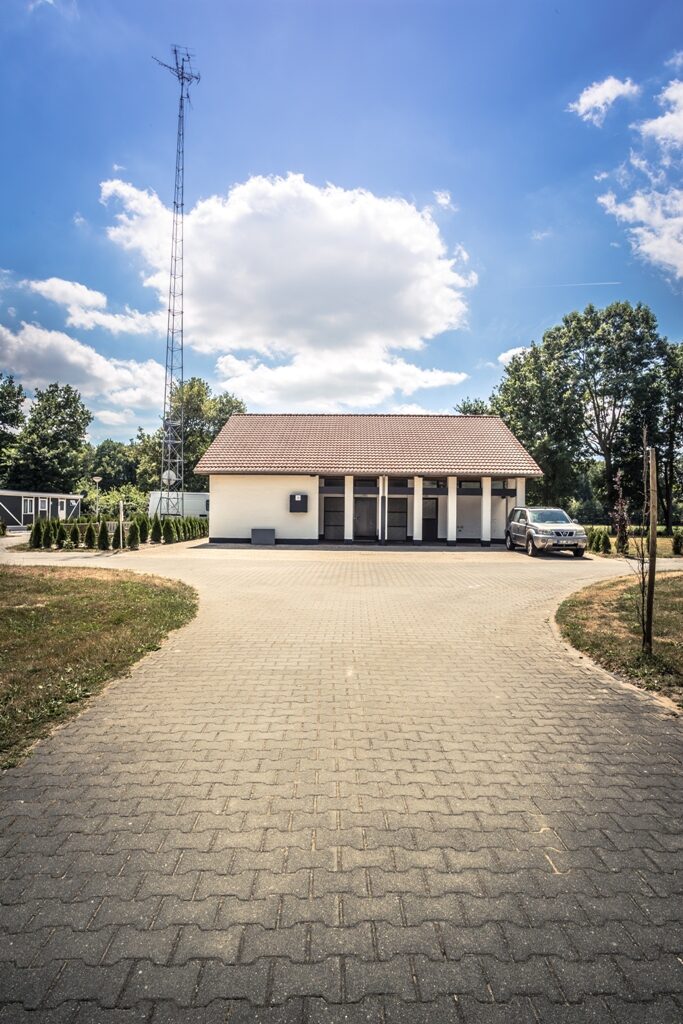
[
  {"x": 581, "y": 401},
  {"x": 47, "y": 448}
]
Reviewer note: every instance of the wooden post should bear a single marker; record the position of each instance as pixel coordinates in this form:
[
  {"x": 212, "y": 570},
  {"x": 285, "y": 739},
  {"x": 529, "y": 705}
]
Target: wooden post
[
  {"x": 120, "y": 526},
  {"x": 652, "y": 561}
]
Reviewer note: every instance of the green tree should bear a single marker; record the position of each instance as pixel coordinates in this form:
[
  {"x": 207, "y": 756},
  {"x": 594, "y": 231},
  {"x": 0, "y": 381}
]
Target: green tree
[
  {"x": 156, "y": 533},
  {"x": 49, "y": 451},
  {"x": 204, "y": 416},
  {"x": 133, "y": 539},
  {"x": 168, "y": 532},
  {"x": 36, "y": 536},
  {"x": 75, "y": 536},
  {"x": 540, "y": 400},
  {"x": 11, "y": 416},
  {"x": 134, "y": 501},
  {"x": 670, "y": 434},
  {"x": 473, "y": 407},
  {"x": 90, "y": 539},
  {"x": 118, "y": 540},
  {"x": 47, "y": 534},
  {"x": 103, "y": 537},
  {"x": 115, "y": 462},
  {"x": 613, "y": 353}
]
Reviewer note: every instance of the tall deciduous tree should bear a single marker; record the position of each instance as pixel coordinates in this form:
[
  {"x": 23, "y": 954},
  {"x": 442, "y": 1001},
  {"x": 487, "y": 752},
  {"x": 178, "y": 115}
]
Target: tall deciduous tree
[
  {"x": 204, "y": 415},
  {"x": 49, "y": 451},
  {"x": 11, "y": 416},
  {"x": 540, "y": 400},
  {"x": 613, "y": 352},
  {"x": 670, "y": 437},
  {"x": 473, "y": 407},
  {"x": 114, "y": 461}
]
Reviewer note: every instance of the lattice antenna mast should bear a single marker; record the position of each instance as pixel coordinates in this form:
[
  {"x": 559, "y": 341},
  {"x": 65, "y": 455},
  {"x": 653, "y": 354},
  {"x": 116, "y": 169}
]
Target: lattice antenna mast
[{"x": 172, "y": 456}]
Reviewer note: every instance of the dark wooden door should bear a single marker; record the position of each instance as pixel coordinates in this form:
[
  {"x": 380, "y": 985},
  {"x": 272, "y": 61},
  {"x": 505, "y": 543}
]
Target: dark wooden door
[
  {"x": 365, "y": 518},
  {"x": 333, "y": 518},
  {"x": 397, "y": 515},
  {"x": 430, "y": 520}
]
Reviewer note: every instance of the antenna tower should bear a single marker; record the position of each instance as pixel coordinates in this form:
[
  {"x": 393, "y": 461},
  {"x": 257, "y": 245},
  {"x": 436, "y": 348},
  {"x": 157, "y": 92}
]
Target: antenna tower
[{"x": 172, "y": 457}]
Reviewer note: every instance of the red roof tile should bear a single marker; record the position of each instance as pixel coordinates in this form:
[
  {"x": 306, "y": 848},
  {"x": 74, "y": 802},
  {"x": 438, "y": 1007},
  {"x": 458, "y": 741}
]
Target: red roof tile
[{"x": 334, "y": 445}]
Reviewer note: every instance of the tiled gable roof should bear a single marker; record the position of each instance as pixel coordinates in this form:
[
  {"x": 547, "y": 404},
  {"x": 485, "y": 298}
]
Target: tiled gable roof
[{"x": 335, "y": 445}]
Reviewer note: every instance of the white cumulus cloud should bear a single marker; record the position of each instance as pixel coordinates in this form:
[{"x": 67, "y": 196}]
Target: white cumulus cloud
[
  {"x": 315, "y": 289},
  {"x": 444, "y": 200},
  {"x": 505, "y": 357},
  {"x": 656, "y": 225},
  {"x": 39, "y": 357},
  {"x": 596, "y": 99},
  {"x": 667, "y": 129},
  {"x": 87, "y": 308}
]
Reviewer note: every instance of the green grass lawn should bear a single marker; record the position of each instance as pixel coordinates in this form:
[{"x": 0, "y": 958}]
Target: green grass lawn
[
  {"x": 602, "y": 621},
  {"x": 65, "y": 632}
]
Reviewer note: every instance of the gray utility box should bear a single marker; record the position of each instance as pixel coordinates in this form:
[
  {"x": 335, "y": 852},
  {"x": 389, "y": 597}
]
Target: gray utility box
[
  {"x": 298, "y": 503},
  {"x": 263, "y": 536}
]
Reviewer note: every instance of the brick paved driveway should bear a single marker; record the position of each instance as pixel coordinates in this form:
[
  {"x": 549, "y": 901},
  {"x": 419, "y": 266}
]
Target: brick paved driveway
[{"x": 360, "y": 786}]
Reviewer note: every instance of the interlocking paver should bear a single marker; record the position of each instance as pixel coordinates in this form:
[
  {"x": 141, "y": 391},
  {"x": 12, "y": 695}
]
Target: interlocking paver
[{"x": 361, "y": 786}]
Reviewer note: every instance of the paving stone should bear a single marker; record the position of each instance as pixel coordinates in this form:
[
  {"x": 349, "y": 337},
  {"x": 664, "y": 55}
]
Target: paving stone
[{"x": 344, "y": 797}]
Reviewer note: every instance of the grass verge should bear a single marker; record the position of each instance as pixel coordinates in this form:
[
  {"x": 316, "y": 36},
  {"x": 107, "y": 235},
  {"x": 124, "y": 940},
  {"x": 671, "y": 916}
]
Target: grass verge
[
  {"x": 65, "y": 632},
  {"x": 602, "y": 621}
]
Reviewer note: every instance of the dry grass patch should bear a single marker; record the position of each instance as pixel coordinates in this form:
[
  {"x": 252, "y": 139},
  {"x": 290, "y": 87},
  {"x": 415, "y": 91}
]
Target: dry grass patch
[
  {"x": 65, "y": 632},
  {"x": 602, "y": 621}
]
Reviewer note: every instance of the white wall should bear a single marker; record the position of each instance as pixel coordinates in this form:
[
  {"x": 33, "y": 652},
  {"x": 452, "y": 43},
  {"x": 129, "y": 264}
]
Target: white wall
[{"x": 240, "y": 504}]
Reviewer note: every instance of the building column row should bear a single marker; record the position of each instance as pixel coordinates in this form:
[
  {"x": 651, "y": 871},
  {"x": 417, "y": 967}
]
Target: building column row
[{"x": 451, "y": 512}]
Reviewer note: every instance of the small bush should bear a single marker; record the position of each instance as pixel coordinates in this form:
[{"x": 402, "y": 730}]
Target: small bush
[
  {"x": 47, "y": 534},
  {"x": 103, "y": 537},
  {"x": 606, "y": 543},
  {"x": 118, "y": 541},
  {"x": 677, "y": 542},
  {"x": 75, "y": 536},
  {"x": 133, "y": 536},
  {"x": 3, "y": 527},
  {"x": 169, "y": 533},
  {"x": 68, "y": 545},
  {"x": 143, "y": 529},
  {"x": 35, "y": 539},
  {"x": 90, "y": 539},
  {"x": 62, "y": 536},
  {"x": 157, "y": 532}
]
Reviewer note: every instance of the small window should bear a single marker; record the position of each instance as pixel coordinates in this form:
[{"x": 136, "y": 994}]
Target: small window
[
  {"x": 207, "y": 504},
  {"x": 522, "y": 517},
  {"x": 333, "y": 481},
  {"x": 398, "y": 481},
  {"x": 42, "y": 504},
  {"x": 28, "y": 506}
]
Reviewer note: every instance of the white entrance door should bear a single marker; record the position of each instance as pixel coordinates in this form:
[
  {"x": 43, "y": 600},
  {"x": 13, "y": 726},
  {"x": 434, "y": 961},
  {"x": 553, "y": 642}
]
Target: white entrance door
[{"x": 61, "y": 508}]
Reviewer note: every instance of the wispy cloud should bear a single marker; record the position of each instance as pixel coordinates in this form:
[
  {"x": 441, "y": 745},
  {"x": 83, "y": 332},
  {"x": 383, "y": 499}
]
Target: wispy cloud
[
  {"x": 444, "y": 200},
  {"x": 596, "y": 99},
  {"x": 540, "y": 236}
]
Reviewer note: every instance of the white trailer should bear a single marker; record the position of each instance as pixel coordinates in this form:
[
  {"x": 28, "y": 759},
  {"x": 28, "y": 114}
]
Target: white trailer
[{"x": 195, "y": 503}]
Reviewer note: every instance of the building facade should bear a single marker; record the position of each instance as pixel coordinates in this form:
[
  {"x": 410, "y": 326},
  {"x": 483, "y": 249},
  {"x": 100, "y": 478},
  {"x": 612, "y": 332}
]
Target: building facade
[
  {"x": 364, "y": 479},
  {"x": 22, "y": 508}
]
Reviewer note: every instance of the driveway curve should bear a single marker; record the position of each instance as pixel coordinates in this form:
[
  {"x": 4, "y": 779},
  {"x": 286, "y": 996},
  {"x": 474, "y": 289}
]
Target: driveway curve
[{"x": 361, "y": 785}]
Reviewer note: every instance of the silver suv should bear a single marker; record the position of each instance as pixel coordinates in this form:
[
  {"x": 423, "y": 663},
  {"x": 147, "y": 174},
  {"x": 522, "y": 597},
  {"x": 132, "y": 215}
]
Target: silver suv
[{"x": 544, "y": 529}]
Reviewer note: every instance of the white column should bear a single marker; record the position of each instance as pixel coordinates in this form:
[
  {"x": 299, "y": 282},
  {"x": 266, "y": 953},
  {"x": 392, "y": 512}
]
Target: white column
[
  {"x": 452, "y": 511},
  {"x": 348, "y": 509},
  {"x": 520, "y": 484},
  {"x": 417, "y": 510},
  {"x": 486, "y": 511}
]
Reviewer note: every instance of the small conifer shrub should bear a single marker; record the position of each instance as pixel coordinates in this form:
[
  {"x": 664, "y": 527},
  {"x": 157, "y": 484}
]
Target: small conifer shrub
[
  {"x": 143, "y": 529},
  {"x": 133, "y": 536},
  {"x": 606, "y": 543},
  {"x": 90, "y": 539},
  {"x": 157, "y": 531},
  {"x": 677, "y": 542},
  {"x": 47, "y": 534},
  {"x": 118, "y": 541},
  {"x": 103, "y": 537},
  {"x": 36, "y": 537},
  {"x": 62, "y": 535},
  {"x": 75, "y": 536},
  {"x": 168, "y": 532}
]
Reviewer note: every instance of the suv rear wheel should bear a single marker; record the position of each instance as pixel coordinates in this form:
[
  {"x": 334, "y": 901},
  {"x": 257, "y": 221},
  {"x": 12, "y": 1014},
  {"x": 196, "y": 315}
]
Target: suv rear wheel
[
  {"x": 508, "y": 542},
  {"x": 531, "y": 548}
]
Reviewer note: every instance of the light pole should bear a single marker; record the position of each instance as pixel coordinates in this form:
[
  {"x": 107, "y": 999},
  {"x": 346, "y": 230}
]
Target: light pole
[{"x": 97, "y": 480}]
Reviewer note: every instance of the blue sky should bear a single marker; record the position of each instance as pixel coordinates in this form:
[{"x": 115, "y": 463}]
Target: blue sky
[{"x": 384, "y": 197}]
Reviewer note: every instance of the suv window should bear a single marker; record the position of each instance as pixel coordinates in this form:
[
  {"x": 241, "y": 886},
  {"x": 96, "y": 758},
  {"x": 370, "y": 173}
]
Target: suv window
[{"x": 521, "y": 518}]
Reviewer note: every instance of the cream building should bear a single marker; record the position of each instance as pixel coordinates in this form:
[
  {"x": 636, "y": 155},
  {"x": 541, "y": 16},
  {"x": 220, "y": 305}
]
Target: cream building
[{"x": 296, "y": 478}]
